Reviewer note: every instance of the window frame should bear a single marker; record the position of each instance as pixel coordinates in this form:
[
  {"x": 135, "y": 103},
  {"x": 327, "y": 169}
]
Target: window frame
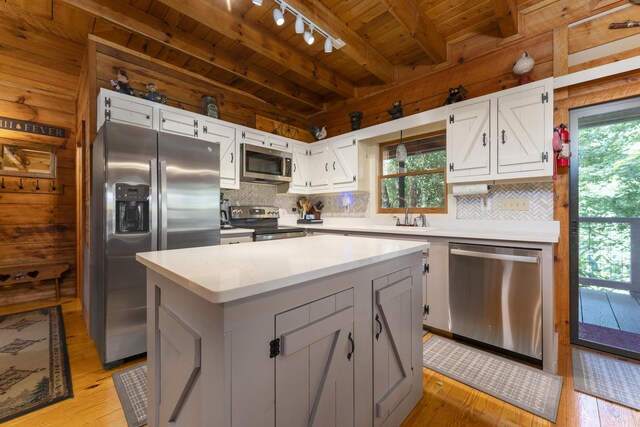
[{"x": 380, "y": 177}]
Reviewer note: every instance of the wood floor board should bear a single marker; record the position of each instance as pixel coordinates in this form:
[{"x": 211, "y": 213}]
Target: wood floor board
[{"x": 445, "y": 402}]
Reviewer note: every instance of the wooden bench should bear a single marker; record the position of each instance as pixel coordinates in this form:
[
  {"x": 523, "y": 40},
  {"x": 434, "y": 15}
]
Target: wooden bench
[{"x": 27, "y": 273}]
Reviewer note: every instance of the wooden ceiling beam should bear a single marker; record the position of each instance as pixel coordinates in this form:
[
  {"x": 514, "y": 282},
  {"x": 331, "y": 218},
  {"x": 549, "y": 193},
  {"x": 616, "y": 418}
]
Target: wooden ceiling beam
[
  {"x": 215, "y": 15},
  {"x": 423, "y": 31},
  {"x": 356, "y": 48},
  {"x": 507, "y": 15},
  {"x": 136, "y": 21}
]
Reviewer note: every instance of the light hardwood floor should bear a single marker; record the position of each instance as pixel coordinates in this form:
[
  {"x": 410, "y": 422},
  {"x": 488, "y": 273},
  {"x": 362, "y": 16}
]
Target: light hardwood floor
[{"x": 445, "y": 403}]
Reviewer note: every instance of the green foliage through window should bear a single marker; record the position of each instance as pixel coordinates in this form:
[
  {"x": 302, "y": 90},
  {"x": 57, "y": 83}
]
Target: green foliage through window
[{"x": 419, "y": 180}]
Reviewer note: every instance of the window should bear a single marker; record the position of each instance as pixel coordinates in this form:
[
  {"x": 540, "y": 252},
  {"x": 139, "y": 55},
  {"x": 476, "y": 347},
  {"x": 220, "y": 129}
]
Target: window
[{"x": 419, "y": 181}]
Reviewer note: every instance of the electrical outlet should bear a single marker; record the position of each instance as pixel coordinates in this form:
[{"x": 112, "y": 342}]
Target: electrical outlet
[{"x": 514, "y": 204}]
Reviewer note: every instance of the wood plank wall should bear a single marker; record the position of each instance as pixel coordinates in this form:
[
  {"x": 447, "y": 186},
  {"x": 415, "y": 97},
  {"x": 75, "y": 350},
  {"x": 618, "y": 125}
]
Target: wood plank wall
[{"x": 38, "y": 75}]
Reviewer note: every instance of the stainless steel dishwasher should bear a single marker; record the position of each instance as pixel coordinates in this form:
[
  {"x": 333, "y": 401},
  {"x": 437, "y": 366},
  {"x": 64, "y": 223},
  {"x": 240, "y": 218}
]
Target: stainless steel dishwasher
[{"x": 495, "y": 296}]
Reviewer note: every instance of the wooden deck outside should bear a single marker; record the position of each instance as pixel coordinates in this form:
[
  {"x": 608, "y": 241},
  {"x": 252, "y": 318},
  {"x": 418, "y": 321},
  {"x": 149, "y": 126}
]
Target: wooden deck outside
[{"x": 610, "y": 310}]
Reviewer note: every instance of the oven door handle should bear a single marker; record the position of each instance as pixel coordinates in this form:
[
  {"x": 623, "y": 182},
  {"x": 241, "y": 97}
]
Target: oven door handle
[{"x": 500, "y": 257}]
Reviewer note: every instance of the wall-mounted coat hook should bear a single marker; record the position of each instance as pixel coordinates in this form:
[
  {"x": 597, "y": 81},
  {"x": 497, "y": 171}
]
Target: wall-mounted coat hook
[
  {"x": 3, "y": 185},
  {"x": 21, "y": 186},
  {"x": 36, "y": 185},
  {"x": 53, "y": 185}
]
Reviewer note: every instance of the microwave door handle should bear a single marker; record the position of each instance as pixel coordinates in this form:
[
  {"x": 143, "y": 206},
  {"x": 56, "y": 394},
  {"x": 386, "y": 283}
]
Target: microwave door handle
[
  {"x": 163, "y": 205},
  {"x": 153, "y": 166},
  {"x": 500, "y": 257}
]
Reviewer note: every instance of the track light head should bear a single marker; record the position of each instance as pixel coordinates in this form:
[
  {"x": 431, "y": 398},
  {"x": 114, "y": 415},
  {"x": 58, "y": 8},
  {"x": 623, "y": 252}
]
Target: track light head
[
  {"x": 299, "y": 25},
  {"x": 257, "y": 2},
  {"x": 328, "y": 46},
  {"x": 278, "y": 16},
  {"x": 308, "y": 35}
]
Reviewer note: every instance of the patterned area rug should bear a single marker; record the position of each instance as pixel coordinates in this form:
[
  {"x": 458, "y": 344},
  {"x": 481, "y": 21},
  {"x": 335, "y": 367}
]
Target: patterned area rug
[
  {"x": 131, "y": 385},
  {"x": 34, "y": 365},
  {"x": 606, "y": 377},
  {"x": 527, "y": 388}
]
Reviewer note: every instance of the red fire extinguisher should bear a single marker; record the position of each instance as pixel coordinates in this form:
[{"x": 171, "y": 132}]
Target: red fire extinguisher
[{"x": 563, "y": 154}]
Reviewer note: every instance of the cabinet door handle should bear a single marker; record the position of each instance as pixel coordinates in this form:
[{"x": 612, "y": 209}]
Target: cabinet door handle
[
  {"x": 353, "y": 347},
  {"x": 294, "y": 167},
  {"x": 334, "y": 165},
  {"x": 484, "y": 139},
  {"x": 326, "y": 167},
  {"x": 380, "y": 326},
  {"x": 231, "y": 157},
  {"x": 504, "y": 141}
]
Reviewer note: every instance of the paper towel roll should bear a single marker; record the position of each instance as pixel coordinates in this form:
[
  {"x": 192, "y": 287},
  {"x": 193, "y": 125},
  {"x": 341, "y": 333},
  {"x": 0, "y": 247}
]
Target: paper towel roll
[{"x": 464, "y": 190}]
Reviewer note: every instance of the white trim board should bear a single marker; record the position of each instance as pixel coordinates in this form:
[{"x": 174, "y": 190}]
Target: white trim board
[{"x": 596, "y": 73}]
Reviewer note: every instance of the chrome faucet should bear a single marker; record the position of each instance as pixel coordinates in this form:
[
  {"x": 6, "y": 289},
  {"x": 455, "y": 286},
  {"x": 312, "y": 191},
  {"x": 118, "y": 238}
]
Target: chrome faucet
[
  {"x": 406, "y": 210},
  {"x": 423, "y": 217}
]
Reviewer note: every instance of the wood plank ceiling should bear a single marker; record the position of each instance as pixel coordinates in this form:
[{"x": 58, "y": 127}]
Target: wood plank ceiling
[{"x": 237, "y": 43}]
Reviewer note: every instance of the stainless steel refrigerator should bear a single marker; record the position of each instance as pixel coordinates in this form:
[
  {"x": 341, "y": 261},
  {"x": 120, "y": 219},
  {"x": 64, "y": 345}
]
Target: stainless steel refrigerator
[{"x": 150, "y": 191}]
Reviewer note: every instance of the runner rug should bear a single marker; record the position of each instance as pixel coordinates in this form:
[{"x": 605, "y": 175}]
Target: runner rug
[
  {"x": 607, "y": 377},
  {"x": 131, "y": 385},
  {"x": 34, "y": 365},
  {"x": 527, "y": 388}
]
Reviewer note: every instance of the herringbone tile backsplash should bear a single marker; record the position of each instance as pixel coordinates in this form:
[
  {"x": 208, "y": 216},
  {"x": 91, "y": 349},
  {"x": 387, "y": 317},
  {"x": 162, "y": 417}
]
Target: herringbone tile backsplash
[
  {"x": 487, "y": 207},
  {"x": 266, "y": 195}
]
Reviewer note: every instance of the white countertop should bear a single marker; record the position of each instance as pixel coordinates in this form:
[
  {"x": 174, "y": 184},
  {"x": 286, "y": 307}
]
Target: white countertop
[
  {"x": 516, "y": 231},
  {"x": 226, "y": 273}
]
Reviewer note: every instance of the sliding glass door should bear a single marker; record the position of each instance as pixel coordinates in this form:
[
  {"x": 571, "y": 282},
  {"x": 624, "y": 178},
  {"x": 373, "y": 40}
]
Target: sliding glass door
[{"x": 605, "y": 227}]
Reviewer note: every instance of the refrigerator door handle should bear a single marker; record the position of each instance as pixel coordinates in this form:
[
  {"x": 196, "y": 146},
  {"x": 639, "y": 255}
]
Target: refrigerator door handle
[
  {"x": 153, "y": 164},
  {"x": 163, "y": 205}
]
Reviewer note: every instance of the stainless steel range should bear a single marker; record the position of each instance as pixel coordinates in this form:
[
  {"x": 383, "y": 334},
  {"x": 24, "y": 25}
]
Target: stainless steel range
[{"x": 264, "y": 221}]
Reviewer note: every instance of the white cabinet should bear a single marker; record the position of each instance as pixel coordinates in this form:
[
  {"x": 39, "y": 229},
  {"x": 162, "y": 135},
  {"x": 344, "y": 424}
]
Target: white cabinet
[
  {"x": 278, "y": 143},
  {"x": 524, "y": 118},
  {"x": 468, "y": 136},
  {"x": 436, "y": 298},
  {"x": 229, "y": 165},
  {"x": 344, "y": 164},
  {"x": 314, "y": 373},
  {"x": 127, "y": 109},
  {"x": 252, "y": 137},
  {"x": 235, "y": 240},
  {"x": 179, "y": 123},
  {"x": 300, "y": 168},
  {"x": 505, "y": 135},
  {"x": 319, "y": 175}
]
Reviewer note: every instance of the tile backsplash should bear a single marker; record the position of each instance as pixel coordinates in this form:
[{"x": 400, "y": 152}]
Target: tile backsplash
[
  {"x": 266, "y": 195},
  {"x": 487, "y": 206}
]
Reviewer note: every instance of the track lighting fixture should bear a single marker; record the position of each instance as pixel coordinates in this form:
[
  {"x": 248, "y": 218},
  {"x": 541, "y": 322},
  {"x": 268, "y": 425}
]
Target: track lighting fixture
[
  {"x": 308, "y": 35},
  {"x": 278, "y": 14},
  {"x": 301, "y": 21},
  {"x": 299, "y": 25}
]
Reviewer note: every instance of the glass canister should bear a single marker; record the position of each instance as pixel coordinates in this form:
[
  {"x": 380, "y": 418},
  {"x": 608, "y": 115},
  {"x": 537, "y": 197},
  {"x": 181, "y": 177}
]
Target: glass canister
[{"x": 210, "y": 106}]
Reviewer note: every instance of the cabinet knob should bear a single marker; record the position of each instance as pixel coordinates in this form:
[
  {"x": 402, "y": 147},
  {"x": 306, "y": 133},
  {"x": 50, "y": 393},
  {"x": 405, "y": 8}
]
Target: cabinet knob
[
  {"x": 164, "y": 120},
  {"x": 148, "y": 117}
]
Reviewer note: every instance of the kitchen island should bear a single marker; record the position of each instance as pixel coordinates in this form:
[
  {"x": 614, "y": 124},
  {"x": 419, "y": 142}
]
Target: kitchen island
[{"x": 322, "y": 331}]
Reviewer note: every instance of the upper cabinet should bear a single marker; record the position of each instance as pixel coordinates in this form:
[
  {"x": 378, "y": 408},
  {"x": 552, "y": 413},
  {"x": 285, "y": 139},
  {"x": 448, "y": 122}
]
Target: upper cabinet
[
  {"x": 319, "y": 175},
  {"x": 468, "y": 136},
  {"x": 278, "y": 143},
  {"x": 126, "y": 109},
  {"x": 229, "y": 165},
  {"x": 344, "y": 164},
  {"x": 252, "y": 137},
  {"x": 179, "y": 123},
  {"x": 505, "y": 135},
  {"x": 300, "y": 168}
]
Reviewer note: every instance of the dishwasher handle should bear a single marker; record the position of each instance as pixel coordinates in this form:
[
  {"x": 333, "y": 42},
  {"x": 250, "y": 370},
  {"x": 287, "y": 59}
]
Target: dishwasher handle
[{"x": 501, "y": 257}]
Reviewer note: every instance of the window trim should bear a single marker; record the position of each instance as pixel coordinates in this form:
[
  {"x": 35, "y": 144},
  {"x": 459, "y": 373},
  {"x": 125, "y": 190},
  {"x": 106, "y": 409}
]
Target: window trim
[{"x": 380, "y": 177}]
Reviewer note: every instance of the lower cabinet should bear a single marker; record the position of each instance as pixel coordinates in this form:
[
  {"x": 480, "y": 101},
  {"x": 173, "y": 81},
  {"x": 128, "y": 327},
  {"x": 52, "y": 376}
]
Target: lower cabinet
[
  {"x": 314, "y": 371},
  {"x": 393, "y": 370},
  {"x": 340, "y": 351}
]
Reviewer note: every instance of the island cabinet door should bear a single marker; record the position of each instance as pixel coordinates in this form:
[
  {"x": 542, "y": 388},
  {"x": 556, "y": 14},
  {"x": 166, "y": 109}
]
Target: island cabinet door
[
  {"x": 314, "y": 370},
  {"x": 392, "y": 343}
]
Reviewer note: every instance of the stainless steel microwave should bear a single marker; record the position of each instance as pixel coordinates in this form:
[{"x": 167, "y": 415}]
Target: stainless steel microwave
[{"x": 266, "y": 165}]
